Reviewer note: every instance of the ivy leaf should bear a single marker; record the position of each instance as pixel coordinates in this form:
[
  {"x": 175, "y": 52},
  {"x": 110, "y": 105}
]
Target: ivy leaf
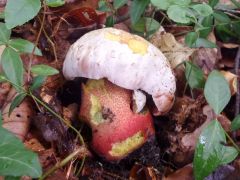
[
  {"x": 15, "y": 159},
  {"x": 55, "y": 3},
  {"x": 201, "y": 42},
  {"x": 203, "y": 9},
  {"x": 44, "y": 70},
  {"x": 137, "y": 9},
  {"x": 194, "y": 76},
  {"x": 179, "y": 14},
  {"x": 24, "y": 46},
  {"x": 235, "y": 125},
  {"x": 16, "y": 101},
  {"x": 191, "y": 38},
  {"x": 119, "y": 3},
  {"x": 13, "y": 67},
  {"x": 4, "y": 33},
  {"x": 20, "y": 11},
  {"x": 217, "y": 91},
  {"x": 37, "y": 82},
  {"x": 213, "y": 3},
  {"x": 146, "y": 25},
  {"x": 181, "y": 2},
  {"x": 209, "y": 152}
]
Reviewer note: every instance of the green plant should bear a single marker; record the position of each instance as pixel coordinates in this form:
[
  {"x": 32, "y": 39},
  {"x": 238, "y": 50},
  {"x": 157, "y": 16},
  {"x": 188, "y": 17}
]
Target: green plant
[
  {"x": 210, "y": 151},
  {"x": 15, "y": 159}
]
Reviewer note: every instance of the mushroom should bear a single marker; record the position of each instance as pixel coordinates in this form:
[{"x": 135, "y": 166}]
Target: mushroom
[
  {"x": 117, "y": 62},
  {"x": 116, "y": 129},
  {"x": 126, "y": 60}
]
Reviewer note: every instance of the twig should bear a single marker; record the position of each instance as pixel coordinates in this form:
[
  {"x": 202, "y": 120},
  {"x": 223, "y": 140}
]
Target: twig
[
  {"x": 237, "y": 61},
  {"x": 36, "y": 42}
]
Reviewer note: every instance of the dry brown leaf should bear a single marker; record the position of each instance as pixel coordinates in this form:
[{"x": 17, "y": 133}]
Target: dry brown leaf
[
  {"x": 34, "y": 145},
  {"x": 139, "y": 172},
  {"x": 185, "y": 173},
  {"x": 175, "y": 52},
  {"x": 19, "y": 120}
]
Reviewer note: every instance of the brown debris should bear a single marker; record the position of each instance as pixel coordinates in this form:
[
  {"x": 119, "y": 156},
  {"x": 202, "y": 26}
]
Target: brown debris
[{"x": 19, "y": 120}]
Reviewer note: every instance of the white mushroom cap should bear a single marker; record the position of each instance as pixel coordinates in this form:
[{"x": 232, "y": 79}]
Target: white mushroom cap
[{"x": 126, "y": 60}]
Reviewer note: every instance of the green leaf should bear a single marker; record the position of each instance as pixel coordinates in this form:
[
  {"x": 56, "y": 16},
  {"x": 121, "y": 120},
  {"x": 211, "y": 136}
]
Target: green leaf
[
  {"x": 103, "y": 6},
  {"x": 229, "y": 155},
  {"x": 203, "y": 9},
  {"x": 15, "y": 159},
  {"x": 221, "y": 17},
  {"x": 201, "y": 42},
  {"x": 207, "y": 23},
  {"x": 24, "y": 46},
  {"x": 37, "y": 82},
  {"x": 137, "y": 9},
  {"x": 164, "y": 4},
  {"x": 209, "y": 152},
  {"x": 110, "y": 21},
  {"x": 213, "y": 3},
  {"x": 161, "y": 4},
  {"x": 12, "y": 178},
  {"x": 191, "y": 38},
  {"x": 119, "y": 3},
  {"x": 237, "y": 4},
  {"x": 55, "y": 3},
  {"x": 16, "y": 101},
  {"x": 217, "y": 91},
  {"x": 44, "y": 70},
  {"x": 4, "y": 33},
  {"x": 2, "y": 78},
  {"x": 2, "y": 16},
  {"x": 20, "y": 11},
  {"x": 146, "y": 25},
  {"x": 13, "y": 67},
  {"x": 179, "y": 14},
  {"x": 235, "y": 125},
  {"x": 194, "y": 76}
]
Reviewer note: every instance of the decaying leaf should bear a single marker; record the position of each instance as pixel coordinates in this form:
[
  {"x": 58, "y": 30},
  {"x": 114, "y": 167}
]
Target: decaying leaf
[
  {"x": 184, "y": 173},
  {"x": 19, "y": 120},
  {"x": 175, "y": 52}
]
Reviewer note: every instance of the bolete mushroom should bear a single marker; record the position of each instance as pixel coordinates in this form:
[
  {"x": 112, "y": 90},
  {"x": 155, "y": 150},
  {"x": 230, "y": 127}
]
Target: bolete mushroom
[
  {"x": 116, "y": 129},
  {"x": 126, "y": 60},
  {"x": 118, "y": 62}
]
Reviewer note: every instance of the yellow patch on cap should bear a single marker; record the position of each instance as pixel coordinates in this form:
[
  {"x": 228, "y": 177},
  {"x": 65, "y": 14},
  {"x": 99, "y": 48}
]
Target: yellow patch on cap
[
  {"x": 136, "y": 44},
  {"x": 122, "y": 148}
]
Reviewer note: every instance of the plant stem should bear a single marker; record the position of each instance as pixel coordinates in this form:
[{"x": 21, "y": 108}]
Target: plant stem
[
  {"x": 61, "y": 164},
  {"x": 36, "y": 42},
  {"x": 233, "y": 143},
  {"x": 29, "y": 93}
]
